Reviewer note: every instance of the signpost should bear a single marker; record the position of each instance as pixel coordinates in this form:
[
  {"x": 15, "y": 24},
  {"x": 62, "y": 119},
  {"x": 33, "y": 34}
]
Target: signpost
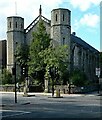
[{"x": 98, "y": 72}]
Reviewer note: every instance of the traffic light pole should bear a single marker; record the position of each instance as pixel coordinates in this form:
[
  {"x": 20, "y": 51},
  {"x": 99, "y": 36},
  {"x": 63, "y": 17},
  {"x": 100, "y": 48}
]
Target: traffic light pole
[{"x": 15, "y": 83}]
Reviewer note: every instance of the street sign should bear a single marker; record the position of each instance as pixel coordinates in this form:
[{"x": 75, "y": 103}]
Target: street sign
[{"x": 98, "y": 71}]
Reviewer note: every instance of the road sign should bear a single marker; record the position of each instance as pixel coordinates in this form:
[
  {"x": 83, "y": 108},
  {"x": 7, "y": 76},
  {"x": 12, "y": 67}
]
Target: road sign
[{"x": 98, "y": 71}]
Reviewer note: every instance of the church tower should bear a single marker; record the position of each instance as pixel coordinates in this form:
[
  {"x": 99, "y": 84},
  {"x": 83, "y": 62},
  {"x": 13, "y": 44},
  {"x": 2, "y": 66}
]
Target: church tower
[
  {"x": 15, "y": 35},
  {"x": 61, "y": 28}
]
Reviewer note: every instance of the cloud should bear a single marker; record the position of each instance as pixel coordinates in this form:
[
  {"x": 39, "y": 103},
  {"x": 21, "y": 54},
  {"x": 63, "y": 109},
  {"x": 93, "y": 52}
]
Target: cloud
[
  {"x": 88, "y": 20},
  {"x": 83, "y": 5},
  {"x": 25, "y": 6},
  {"x": 28, "y": 9}
]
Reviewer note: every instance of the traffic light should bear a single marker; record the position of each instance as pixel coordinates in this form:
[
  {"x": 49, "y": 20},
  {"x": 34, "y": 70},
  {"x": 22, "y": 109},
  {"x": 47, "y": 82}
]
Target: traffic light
[{"x": 23, "y": 71}]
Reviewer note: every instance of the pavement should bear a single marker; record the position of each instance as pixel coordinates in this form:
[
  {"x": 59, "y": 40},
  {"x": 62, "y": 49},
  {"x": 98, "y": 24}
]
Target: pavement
[
  {"x": 50, "y": 94},
  {"x": 39, "y": 94}
]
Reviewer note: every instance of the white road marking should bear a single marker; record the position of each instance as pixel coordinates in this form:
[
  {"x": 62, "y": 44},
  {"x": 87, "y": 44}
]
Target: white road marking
[{"x": 14, "y": 113}]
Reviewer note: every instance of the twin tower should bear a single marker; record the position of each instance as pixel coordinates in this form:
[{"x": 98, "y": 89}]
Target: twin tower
[{"x": 58, "y": 27}]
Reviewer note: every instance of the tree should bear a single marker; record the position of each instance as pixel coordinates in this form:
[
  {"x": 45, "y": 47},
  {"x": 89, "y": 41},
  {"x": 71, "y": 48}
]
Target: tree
[
  {"x": 41, "y": 41},
  {"x": 44, "y": 56},
  {"x": 40, "y": 55},
  {"x": 22, "y": 54},
  {"x": 78, "y": 78},
  {"x": 6, "y": 77},
  {"x": 22, "y": 58},
  {"x": 57, "y": 59}
]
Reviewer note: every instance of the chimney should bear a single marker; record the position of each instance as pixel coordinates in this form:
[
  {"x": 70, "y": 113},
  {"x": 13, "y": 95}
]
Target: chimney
[{"x": 74, "y": 33}]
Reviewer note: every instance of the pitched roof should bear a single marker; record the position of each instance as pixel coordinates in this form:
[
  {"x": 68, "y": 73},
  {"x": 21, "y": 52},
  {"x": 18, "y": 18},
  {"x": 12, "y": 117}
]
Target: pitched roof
[
  {"x": 82, "y": 43},
  {"x": 35, "y": 21}
]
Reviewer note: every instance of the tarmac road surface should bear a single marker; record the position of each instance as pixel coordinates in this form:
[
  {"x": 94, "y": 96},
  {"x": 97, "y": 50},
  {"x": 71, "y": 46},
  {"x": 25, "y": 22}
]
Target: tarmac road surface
[{"x": 44, "y": 106}]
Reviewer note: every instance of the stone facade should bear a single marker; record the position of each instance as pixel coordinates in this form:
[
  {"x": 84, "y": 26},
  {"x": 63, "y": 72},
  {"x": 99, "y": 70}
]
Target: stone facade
[
  {"x": 82, "y": 55},
  {"x": 3, "y": 54},
  {"x": 15, "y": 34}
]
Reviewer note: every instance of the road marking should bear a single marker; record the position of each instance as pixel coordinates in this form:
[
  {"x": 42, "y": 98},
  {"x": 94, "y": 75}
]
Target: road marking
[{"x": 15, "y": 113}]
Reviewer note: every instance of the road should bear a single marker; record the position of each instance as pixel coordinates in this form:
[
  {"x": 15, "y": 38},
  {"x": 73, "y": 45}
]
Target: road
[{"x": 44, "y": 106}]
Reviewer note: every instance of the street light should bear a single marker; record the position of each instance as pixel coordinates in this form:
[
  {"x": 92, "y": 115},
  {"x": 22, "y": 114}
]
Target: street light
[{"x": 14, "y": 73}]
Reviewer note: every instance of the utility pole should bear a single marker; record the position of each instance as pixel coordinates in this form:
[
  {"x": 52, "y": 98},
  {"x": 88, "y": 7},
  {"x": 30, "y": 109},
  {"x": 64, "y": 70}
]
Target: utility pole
[
  {"x": 15, "y": 83},
  {"x": 14, "y": 73}
]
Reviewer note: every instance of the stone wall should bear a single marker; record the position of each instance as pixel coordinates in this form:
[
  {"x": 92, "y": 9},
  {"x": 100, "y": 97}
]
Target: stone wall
[
  {"x": 73, "y": 89},
  {"x": 63, "y": 88},
  {"x": 11, "y": 88}
]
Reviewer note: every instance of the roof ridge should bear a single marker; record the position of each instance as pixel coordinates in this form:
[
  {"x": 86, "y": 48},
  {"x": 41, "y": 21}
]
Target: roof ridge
[{"x": 35, "y": 21}]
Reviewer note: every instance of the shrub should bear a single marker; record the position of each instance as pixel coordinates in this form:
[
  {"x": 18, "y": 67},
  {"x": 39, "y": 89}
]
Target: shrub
[
  {"x": 78, "y": 78},
  {"x": 6, "y": 77}
]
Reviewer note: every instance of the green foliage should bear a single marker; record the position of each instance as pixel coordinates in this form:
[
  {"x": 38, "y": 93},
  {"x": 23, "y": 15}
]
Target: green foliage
[
  {"x": 44, "y": 56},
  {"x": 6, "y": 77},
  {"x": 40, "y": 42},
  {"x": 22, "y": 54},
  {"x": 78, "y": 78},
  {"x": 55, "y": 58},
  {"x": 22, "y": 58},
  {"x": 40, "y": 56},
  {"x": 65, "y": 76}
]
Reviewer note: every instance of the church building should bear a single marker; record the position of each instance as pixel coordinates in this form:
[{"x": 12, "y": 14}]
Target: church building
[{"x": 82, "y": 55}]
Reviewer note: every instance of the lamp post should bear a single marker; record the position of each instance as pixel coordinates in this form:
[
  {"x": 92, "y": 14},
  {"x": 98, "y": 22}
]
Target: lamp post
[
  {"x": 14, "y": 73},
  {"x": 15, "y": 83}
]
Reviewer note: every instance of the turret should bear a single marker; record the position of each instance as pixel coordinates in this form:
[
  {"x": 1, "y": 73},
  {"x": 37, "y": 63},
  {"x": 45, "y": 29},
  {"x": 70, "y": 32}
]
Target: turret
[
  {"x": 60, "y": 26},
  {"x": 61, "y": 29},
  {"x": 15, "y": 34}
]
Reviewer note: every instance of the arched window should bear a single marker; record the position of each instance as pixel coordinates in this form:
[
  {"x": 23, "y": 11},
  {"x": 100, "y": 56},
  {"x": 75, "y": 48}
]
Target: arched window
[
  {"x": 56, "y": 17},
  {"x": 16, "y": 24},
  {"x": 63, "y": 17},
  {"x": 63, "y": 42},
  {"x": 10, "y": 24}
]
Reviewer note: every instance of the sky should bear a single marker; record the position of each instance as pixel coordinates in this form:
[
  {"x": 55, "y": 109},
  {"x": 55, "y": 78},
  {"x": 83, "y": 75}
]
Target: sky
[{"x": 85, "y": 15}]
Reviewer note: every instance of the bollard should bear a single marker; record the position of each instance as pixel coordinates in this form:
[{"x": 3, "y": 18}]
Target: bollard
[{"x": 58, "y": 93}]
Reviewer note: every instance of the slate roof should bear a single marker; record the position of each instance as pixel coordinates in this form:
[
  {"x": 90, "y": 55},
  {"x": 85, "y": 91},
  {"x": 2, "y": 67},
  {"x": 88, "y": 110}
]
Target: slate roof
[{"x": 82, "y": 43}]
